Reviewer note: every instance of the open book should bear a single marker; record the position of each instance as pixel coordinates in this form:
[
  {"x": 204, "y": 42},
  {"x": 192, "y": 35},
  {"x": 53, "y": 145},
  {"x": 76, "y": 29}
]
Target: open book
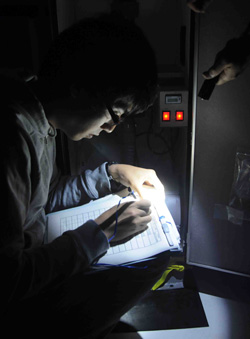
[{"x": 161, "y": 235}]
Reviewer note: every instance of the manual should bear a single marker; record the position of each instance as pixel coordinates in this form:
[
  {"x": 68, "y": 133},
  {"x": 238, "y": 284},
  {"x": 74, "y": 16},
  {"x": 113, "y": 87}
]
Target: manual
[{"x": 161, "y": 235}]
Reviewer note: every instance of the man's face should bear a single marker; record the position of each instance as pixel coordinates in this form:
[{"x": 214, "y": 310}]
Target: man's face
[
  {"x": 79, "y": 122},
  {"x": 86, "y": 123},
  {"x": 90, "y": 126}
]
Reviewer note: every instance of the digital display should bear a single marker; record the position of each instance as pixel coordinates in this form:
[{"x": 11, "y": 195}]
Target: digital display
[{"x": 173, "y": 99}]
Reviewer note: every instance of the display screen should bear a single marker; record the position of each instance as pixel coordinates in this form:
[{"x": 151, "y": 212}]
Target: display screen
[{"x": 173, "y": 99}]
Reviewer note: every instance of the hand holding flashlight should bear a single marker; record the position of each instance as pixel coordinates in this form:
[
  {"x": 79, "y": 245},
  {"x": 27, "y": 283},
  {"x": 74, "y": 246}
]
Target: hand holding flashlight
[{"x": 230, "y": 61}]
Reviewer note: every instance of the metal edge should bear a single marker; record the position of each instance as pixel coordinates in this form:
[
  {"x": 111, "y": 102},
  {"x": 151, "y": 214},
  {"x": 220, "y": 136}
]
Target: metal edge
[
  {"x": 217, "y": 269},
  {"x": 194, "y": 109}
]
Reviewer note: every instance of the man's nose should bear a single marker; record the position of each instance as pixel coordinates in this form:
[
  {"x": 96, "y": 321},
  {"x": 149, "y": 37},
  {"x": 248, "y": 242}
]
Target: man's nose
[{"x": 107, "y": 128}]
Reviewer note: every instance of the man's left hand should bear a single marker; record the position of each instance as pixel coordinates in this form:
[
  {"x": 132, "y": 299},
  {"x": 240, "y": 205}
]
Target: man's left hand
[{"x": 136, "y": 178}]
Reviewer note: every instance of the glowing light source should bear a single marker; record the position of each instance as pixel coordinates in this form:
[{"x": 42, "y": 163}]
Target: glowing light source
[
  {"x": 179, "y": 115},
  {"x": 156, "y": 196},
  {"x": 166, "y": 116}
]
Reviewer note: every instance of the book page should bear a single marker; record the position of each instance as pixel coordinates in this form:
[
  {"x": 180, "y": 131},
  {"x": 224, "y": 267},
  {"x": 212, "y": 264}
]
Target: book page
[{"x": 147, "y": 244}]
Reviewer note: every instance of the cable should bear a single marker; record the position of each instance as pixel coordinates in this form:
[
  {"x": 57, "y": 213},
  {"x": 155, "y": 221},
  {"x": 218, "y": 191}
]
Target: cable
[
  {"x": 131, "y": 192},
  {"x": 116, "y": 220},
  {"x": 168, "y": 143}
]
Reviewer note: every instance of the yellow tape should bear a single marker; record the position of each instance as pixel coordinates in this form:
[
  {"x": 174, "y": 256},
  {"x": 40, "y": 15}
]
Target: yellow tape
[{"x": 165, "y": 274}]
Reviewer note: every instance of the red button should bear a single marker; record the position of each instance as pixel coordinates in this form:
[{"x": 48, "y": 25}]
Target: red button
[
  {"x": 179, "y": 115},
  {"x": 166, "y": 116}
]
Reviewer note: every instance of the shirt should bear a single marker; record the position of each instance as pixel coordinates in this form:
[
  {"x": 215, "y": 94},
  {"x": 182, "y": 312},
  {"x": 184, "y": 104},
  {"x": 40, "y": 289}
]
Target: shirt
[{"x": 30, "y": 185}]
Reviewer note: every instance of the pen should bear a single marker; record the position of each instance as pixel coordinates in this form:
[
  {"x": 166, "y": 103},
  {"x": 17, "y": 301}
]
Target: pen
[
  {"x": 131, "y": 192},
  {"x": 166, "y": 230}
]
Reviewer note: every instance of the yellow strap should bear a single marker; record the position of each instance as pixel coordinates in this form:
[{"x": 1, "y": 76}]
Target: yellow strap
[{"x": 165, "y": 274}]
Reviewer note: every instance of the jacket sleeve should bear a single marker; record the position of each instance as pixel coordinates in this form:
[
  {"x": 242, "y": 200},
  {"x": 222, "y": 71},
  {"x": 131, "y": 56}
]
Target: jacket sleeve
[
  {"x": 27, "y": 269},
  {"x": 71, "y": 191}
]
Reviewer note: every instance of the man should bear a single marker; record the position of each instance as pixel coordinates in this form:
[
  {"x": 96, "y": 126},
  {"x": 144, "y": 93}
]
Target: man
[
  {"x": 95, "y": 74},
  {"x": 233, "y": 59}
]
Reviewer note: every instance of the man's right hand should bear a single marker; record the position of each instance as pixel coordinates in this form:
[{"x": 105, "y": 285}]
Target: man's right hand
[{"x": 133, "y": 218}]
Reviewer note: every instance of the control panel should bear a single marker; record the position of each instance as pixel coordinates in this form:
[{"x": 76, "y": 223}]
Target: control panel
[{"x": 173, "y": 108}]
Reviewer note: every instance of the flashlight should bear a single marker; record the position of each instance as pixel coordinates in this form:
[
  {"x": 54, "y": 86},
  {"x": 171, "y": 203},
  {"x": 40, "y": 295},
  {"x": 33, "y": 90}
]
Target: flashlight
[{"x": 207, "y": 88}]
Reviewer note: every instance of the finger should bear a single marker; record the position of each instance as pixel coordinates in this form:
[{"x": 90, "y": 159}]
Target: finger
[
  {"x": 226, "y": 76},
  {"x": 144, "y": 203},
  {"x": 154, "y": 195},
  {"x": 198, "y": 6},
  {"x": 149, "y": 178},
  {"x": 158, "y": 186},
  {"x": 138, "y": 189},
  {"x": 151, "y": 192},
  {"x": 223, "y": 79},
  {"x": 138, "y": 221},
  {"x": 147, "y": 183},
  {"x": 194, "y": 8},
  {"x": 145, "y": 220},
  {"x": 216, "y": 69},
  {"x": 141, "y": 207},
  {"x": 154, "y": 181},
  {"x": 144, "y": 212}
]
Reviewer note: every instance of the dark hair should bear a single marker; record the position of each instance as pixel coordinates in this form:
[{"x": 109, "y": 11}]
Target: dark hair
[{"x": 109, "y": 57}]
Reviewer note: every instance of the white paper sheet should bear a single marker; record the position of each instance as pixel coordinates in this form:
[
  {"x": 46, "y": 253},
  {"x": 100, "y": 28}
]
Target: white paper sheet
[{"x": 147, "y": 244}]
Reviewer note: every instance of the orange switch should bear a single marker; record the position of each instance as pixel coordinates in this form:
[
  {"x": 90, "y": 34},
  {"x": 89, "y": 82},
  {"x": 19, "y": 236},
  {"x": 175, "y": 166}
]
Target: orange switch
[
  {"x": 166, "y": 116},
  {"x": 179, "y": 115}
]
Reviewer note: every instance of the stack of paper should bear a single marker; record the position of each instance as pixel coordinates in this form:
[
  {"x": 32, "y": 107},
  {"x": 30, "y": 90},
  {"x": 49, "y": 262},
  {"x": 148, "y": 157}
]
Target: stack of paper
[{"x": 161, "y": 235}]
